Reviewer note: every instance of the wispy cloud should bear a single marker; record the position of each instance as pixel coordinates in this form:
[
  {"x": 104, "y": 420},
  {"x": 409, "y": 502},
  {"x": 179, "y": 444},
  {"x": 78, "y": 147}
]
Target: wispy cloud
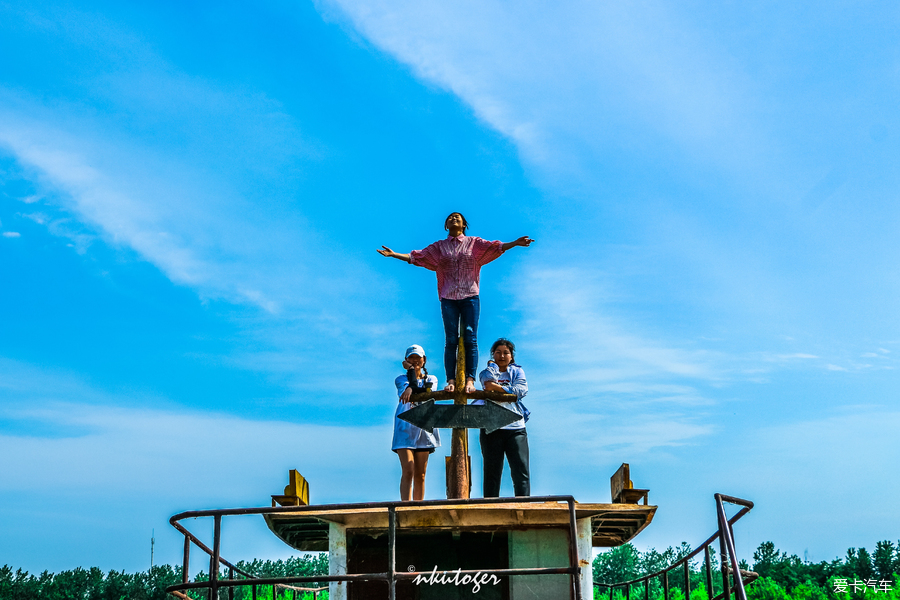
[
  {"x": 186, "y": 229},
  {"x": 592, "y": 370},
  {"x": 556, "y": 79},
  {"x": 818, "y": 458},
  {"x": 175, "y": 196},
  {"x": 53, "y": 421},
  {"x": 117, "y": 470},
  {"x": 775, "y": 464},
  {"x": 170, "y": 449},
  {"x": 700, "y": 134},
  {"x": 579, "y": 336},
  {"x": 174, "y": 189}
]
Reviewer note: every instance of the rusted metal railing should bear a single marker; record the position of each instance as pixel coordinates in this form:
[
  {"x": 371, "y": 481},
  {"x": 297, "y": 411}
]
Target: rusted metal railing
[
  {"x": 391, "y": 576},
  {"x": 729, "y": 562}
]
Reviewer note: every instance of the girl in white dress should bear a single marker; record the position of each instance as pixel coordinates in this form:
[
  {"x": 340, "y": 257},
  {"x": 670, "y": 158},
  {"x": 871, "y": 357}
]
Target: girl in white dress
[{"x": 413, "y": 444}]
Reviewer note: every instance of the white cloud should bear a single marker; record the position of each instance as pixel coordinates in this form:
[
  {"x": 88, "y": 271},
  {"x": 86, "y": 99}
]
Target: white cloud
[
  {"x": 591, "y": 370},
  {"x": 775, "y": 465},
  {"x": 129, "y": 207},
  {"x": 11, "y": 234},
  {"x": 563, "y": 427},
  {"x": 95, "y": 441},
  {"x": 116, "y": 472},
  {"x": 557, "y": 78},
  {"x": 580, "y": 337},
  {"x": 175, "y": 196},
  {"x": 195, "y": 223},
  {"x": 691, "y": 124},
  {"x": 819, "y": 458},
  {"x": 171, "y": 450}
]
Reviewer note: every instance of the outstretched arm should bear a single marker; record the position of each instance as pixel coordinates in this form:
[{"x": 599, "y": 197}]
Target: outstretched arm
[
  {"x": 522, "y": 241},
  {"x": 391, "y": 254}
]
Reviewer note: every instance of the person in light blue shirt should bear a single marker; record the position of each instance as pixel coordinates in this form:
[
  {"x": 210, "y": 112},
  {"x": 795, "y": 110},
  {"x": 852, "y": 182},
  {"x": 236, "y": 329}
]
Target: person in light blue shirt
[
  {"x": 413, "y": 444},
  {"x": 504, "y": 375}
]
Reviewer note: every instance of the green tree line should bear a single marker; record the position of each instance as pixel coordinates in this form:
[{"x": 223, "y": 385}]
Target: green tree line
[
  {"x": 94, "y": 584},
  {"x": 781, "y": 577}
]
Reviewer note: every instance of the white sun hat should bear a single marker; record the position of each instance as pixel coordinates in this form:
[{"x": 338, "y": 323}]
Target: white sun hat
[{"x": 415, "y": 349}]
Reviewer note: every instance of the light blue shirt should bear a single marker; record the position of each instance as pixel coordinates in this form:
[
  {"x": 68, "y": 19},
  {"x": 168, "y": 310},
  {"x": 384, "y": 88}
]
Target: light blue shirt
[
  {"x": 407, "y": 435},
  {"x": 513, "y": 382}
]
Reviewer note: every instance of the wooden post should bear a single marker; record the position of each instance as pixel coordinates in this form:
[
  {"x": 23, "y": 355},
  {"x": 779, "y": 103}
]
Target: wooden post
[{"x": 458, "y": 464}]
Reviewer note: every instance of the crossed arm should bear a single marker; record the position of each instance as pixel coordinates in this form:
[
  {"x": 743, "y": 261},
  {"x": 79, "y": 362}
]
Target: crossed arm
[
  {"x": 522, "y": 241},
  {"x": 493, "y": 386},
  {"x": 518, "y": 385}
]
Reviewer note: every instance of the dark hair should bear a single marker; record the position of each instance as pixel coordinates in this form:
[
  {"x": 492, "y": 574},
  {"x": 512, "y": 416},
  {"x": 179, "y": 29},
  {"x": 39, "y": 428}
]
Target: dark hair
[
  {"x": 465, "y": 223},
  {"x": 504, "y": 342}
]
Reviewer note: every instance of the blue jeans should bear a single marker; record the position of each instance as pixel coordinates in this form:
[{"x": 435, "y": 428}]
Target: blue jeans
[{"x": 451, "y": 310}]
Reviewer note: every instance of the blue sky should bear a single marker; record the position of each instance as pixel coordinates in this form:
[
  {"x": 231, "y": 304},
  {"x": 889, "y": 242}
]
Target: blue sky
[{"x": 192, "y": 196}]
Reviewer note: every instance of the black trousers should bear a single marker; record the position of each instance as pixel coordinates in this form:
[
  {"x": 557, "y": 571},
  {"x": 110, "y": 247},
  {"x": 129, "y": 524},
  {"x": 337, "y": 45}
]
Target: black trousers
[{"x": 514, "y": 444}]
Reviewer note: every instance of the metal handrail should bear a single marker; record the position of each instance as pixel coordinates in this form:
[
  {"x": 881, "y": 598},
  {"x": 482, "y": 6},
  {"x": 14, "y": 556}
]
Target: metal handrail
[
  {"x": 725, "y": 535},
  {"x": 391, "y": 576}
]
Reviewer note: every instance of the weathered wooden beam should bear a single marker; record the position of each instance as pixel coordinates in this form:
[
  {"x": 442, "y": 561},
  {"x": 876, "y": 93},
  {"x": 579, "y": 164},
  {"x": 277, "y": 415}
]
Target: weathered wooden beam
[{"x": 476, "y": 395}]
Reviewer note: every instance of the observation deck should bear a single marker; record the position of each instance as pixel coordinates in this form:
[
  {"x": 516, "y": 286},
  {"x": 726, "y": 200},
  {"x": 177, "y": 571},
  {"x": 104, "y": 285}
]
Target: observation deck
[{"x": 610, "y": 524}]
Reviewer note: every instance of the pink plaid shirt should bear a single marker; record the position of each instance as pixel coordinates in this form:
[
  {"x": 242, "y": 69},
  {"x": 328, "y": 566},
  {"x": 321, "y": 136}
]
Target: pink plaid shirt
[{"x": 457, "y": 262}]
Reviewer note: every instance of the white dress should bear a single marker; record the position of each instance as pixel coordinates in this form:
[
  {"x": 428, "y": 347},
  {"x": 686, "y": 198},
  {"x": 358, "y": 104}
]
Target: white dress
[{"x": 407, "y": 435}]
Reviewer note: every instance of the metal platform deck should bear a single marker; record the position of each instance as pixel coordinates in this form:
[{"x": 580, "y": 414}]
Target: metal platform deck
[{"x": 611, "y": 524}]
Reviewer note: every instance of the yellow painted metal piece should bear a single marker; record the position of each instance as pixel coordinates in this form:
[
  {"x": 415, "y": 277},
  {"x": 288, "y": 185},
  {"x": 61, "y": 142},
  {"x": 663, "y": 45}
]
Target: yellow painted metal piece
[
  {"x": 461, "y": 363},
  {"x": 297, "y": 486},
  {"x": 296, "y": 492},
  {"x": 459, "y": 480},
  {"x": 622, "y": 488}
]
